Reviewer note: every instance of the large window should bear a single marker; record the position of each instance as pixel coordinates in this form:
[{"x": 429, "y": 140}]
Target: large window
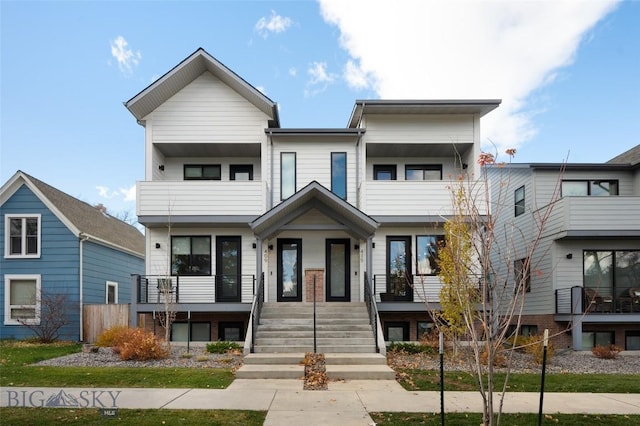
[
  {"x": 427, "y": 247},
  {"x": 200, "y": 331},
  {"x": 518, "y": 200},
  {"x": 241, "y": 172},
  {"x": 423, "y": 172},
  {"x": 21, "y": 299},
  {"x": 522, "y": 276},
  {"x": 287, "y": 174},
  {"x": 614, "y": 275},
  {"x": 594, "y": 188},
  {"x": 191, "y": 255},
  {"x": 231, "y": 331},
  {"x": 22, "y": 235},
  {"x": 384, "y": 172},
  {"x": 339, "y": 174},
  {"x": 202, "y": 172},
  {"x": 396, "y": 331},
  {"x": 590, "y": 339}
]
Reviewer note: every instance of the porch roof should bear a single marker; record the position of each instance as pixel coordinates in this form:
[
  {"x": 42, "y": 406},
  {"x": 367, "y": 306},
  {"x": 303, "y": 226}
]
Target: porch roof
[{"x": 314, "y": 196}]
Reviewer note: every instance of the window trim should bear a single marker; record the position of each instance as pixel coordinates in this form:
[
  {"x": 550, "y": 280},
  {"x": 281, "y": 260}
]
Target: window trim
[
  {"x": 7, "y": 236},
  {"x": 240, "y": 168},
  {"x": 295, "y": 174},
  {"x": 399, "y": 324},
  {"x": 334, "y": 185},
  {"x": 231, "y": 324},
  {"x": 190, "y": 325},
  {"x": 423, "y": 167},
  {"x": 589, "y": 182},
  {"x": 106, "y": 292},
  {"x": 7, "y": 298},
  {"x": 184, "y": 171},
  {"x": 519, "y": 203},
  {"x": 190, "y": 254},
  {"x": 391, "y": 168},
  {"x": 440, "y": 239}
]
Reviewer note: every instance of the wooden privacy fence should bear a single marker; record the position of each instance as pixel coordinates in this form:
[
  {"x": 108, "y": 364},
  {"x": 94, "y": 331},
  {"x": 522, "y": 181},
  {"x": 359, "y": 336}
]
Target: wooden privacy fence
[{"x": 97, "y": 318}]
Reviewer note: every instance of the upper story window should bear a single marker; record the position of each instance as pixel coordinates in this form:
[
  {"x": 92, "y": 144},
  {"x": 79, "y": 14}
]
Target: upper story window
[
  {"x": 287, "y": 174},
  {"x": 339, "y": 174},
  {"x": 384, "y": 172},
  {"x": 427, "y": 247},
  {"x": 202, "y": 172},
  {"x": 595, "y": 188},
  {"x": 423, "y": 172},
  {"x": 22, "y": 299},
  {"x": 22, "y": 236},
  {"x": 518, "y": 200},
  {"x": 191, "y": 255},
  {"x": 241, "y": 172}
]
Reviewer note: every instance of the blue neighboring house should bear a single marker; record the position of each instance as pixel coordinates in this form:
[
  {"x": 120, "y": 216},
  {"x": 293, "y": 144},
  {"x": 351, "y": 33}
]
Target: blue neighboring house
[{"x": 53, "y": 243}]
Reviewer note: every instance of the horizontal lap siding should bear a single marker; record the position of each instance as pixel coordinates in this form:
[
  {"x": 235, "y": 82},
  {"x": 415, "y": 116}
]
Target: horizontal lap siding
[
  {"x": 419, "y": 129},
  {"x": 207, "y": 111},
  {"x": 174, "y": 167},
  {"x": 58, "y": 264}
]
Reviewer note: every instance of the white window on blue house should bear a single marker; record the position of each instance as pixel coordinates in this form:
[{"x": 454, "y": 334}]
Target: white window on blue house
[
  {"x": 111, "y": 293},
  {"x": 22, "y": 236},
  {"x": 21, "y": 299}
]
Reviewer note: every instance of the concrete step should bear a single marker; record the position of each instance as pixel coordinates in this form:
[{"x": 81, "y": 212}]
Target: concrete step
[
  {"x": 309, "y": 327},
  {"x": 295, "y": 358},
  {"x": 308, "y": 341},
  {"x": 270, "y": 371},
  {"x": 360, "y": 372},
  {"x": 320, "y": 334},
  {"x": 347, "y": 348},
  {"x": 354, "y": 359}
]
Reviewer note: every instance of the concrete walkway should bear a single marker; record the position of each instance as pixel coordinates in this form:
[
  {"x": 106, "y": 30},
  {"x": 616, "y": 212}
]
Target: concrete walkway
[{"x": 345, "y": 403}]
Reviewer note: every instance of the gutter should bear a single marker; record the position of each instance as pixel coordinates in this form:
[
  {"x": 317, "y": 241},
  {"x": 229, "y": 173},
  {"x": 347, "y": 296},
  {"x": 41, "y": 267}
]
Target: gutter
[{"x": 81, "y": 238}]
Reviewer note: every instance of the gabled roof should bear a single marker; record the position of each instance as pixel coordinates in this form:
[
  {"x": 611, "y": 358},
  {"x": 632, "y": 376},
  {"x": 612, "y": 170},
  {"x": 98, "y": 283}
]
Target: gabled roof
[
  {"x": 314, "y": 196},
  {"x": 417, "y": 106},
  {"x": 631, "y": 156},
  {"x": 188, "y": 70},
  {"x": 81, "y": 218}
]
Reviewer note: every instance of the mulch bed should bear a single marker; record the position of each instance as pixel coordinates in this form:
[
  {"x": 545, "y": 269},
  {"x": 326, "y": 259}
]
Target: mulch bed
[{"x": 315, "y": 374}]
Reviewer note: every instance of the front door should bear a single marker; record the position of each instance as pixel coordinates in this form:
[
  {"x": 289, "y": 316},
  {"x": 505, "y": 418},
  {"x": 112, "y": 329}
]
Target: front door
[
  {"x": 399, "y": 277},
  {"x": 338, "y": 270},
  {"x": 228, "y": 274},
  {"x": 289, "y": 270}
]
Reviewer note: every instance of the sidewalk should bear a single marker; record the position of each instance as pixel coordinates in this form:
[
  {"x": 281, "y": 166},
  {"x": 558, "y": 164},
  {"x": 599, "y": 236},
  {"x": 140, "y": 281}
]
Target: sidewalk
[{"x": 345, "y": 403}]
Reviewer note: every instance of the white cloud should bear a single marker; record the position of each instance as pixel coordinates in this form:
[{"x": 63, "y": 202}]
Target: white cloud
[
  {"x": 127, "y": 58},
  {"x": 273, "y": 24},
  {"x": 293, "y": 72},
  {"x": 463, "y": 50},
  {"x": 105, "y": 192},
  {"x": 319, "y": 78},
  {"x": 127, "y": 194}
]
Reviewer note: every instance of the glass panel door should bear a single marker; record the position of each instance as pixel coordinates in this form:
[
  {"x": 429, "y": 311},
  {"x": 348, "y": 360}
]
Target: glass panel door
[
  {"x": 289, "y": 270},
  {"x": 228, "y": 270},
  {"x": 399, "y": 268},
  {"x": 338, "y": 270}
]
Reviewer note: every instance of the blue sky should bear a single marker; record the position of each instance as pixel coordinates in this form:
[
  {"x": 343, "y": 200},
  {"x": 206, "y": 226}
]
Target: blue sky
[{"x": 568, "y": 73}]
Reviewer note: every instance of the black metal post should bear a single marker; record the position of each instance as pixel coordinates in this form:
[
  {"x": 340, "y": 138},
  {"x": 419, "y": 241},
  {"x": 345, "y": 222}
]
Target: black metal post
[
  {"x": 544, "y": 367},
  {"x": 188, "y": 330},
  {"x": 441, "y": 379},
  {"x": 315, "y": 349}
]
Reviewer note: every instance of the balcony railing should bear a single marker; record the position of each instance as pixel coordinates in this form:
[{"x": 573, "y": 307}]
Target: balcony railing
[
  {"x": 176, "y": 198},
  {"x": 578, "y": 300},
  {"x": 415, "y": 198},
  {"x": 158, "y": 289},
  {"x": 420, "y": 288}
]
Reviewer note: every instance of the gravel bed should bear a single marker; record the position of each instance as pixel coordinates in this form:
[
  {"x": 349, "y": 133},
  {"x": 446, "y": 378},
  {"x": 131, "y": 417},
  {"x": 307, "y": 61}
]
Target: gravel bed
[
  {"x": 197, "y": 357},
  {"x": 580, "y": 362}
]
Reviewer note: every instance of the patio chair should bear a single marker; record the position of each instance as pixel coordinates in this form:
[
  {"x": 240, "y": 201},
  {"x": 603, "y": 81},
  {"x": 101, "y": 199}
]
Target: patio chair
[
  {"x": 634, "y": 293},
  {"x": 596, "y": 302}
]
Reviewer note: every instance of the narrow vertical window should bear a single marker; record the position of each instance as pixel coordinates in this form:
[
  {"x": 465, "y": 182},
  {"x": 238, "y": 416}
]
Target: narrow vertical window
[
  {"x": 111, "y": 292},
  {"x": 287, "y": 174},
  {"x": 339, "y": 174},
  {"x": 519, "y": 201}
]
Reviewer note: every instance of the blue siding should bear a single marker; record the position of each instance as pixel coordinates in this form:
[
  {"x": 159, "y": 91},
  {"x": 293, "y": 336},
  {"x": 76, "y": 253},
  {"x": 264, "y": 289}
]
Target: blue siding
[{"x": 102, "y": 264}]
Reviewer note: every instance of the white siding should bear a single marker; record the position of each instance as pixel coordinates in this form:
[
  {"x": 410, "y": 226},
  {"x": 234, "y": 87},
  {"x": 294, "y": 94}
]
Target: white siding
[
  {"x": 174, "y": 167},
  {"x": 419, "y": 128}
]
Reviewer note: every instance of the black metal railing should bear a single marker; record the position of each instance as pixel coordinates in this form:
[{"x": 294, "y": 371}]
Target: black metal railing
[
  {"x": 156, "y": 288},
  {"x": 256, "y": 310},
  {"x": 193, "y": 289},
  {"x": 372, "y": 309},
  {"x": 596, "y": 301}
]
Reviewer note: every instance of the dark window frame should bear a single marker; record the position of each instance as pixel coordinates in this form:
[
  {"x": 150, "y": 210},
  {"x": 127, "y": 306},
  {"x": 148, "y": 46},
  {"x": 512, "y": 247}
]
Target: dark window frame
[
  {"x": 191, "y": 264},
  {"x": 519, "y": 201},
  {"x": 202, "y": 167},
  {"x": 431, "y": 328},
  {"x": 440, "y": 242},
  {"x": 423, "y": 168},
  {"x": 405, "y": 329},
  {"x": 190, "y": 324},
  {"x": 392, "y": 169},
  {"x": 522, "y": 266},
  {"x": 342, "y": 190},
  {"x": 240, "y": 168},
  {"x": 295, "y": 174},
  {"x": 614, "y": 183},
  {"x": 222, "y": 325}
]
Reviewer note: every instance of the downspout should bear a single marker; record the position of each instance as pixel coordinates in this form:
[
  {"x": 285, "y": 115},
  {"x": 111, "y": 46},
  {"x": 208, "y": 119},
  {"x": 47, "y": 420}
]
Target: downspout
[
  {"x": 81, "y": 238},
  {"x": 271, "y": 165}
]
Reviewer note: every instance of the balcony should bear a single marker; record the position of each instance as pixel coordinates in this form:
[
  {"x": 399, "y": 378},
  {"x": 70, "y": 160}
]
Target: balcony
[
  {"x": 586, "y": 216},
  {"x": 422, "y": 288},
  {"x": 193, "y": 198},
  {"x": 597, "y": 306},
  {"x": 415, "y": 198}
]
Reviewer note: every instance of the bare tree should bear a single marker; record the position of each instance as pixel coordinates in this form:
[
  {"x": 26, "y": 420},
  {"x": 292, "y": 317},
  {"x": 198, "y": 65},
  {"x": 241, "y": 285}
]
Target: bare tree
[
  {"x": 485, "y": 267},
  {"x": 53, "y": 316},
  {"x": 167, "y": 290}
]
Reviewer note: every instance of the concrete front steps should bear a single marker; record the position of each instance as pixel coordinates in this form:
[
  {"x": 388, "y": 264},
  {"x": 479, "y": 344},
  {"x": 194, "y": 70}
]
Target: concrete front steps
[
  {"x": 339, "y": 366},
  {"x": 343, "y": 335}
]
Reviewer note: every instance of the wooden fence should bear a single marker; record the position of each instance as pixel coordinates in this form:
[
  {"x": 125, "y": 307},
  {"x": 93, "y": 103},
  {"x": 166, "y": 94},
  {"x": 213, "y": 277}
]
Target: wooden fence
[{"x": 97, "y": 318}]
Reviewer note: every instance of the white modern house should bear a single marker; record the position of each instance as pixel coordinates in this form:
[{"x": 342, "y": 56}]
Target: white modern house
[
  {"x": 584, "y": 281},
  {"x": 248, "y": 223}
]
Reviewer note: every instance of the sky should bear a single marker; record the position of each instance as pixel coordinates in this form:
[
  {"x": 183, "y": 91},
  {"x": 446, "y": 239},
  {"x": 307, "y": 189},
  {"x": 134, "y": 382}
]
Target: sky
[{"x": 567, "y": 72}]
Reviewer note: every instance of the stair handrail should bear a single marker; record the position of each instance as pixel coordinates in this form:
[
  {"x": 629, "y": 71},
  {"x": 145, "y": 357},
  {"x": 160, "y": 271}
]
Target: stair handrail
[
  {"x": 372, "y": 309},
  {"x": 256, "y": 311}
]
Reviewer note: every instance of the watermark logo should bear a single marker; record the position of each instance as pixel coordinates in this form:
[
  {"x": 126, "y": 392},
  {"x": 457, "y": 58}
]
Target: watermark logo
[{"x": 81, "y": 399}]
